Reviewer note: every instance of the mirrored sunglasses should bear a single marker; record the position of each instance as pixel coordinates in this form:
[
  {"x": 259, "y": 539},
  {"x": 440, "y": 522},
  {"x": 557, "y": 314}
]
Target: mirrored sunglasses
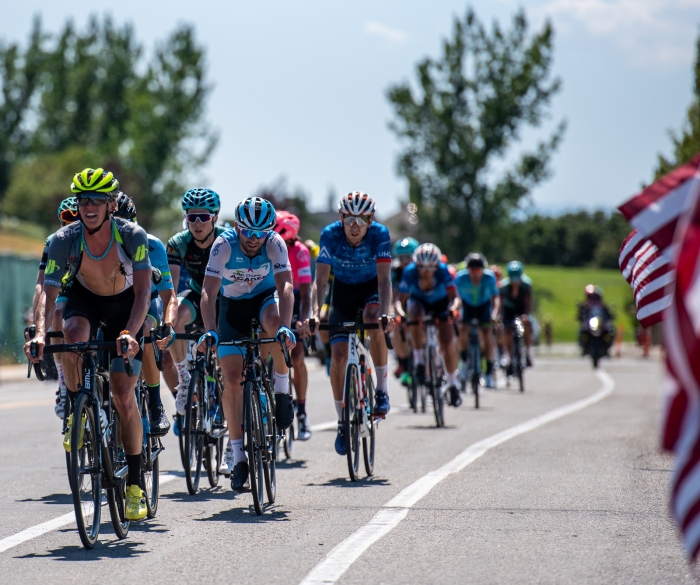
[
  {"x": 199, "y": 217},
  {"x": 245, "y": 232},
  {"x": 351, "y": 220},
  {"x": 96, "y": 201}
]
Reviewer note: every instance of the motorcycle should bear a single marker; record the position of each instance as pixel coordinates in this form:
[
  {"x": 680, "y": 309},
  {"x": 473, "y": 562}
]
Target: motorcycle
[{"x": 597, "y": 333}]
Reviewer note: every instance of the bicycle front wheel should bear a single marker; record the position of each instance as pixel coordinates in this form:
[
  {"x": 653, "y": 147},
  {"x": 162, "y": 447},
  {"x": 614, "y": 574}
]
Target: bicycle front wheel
[
  {"x": 194, "y": 432},
  {"x": 368, "y": 442},
  {"x": 352, "y": 419},
  {"x": 254, "y": 444},
  {"x": 114, "y": 457},
  {"x": 436, "y": 388},
  {"x": 270, "y": 458},
  {"x": 86, "y": 472}
]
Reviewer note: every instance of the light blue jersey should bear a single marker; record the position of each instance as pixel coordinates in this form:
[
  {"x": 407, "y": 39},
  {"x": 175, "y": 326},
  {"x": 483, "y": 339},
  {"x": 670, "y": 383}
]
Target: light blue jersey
[
  {"x": 159, "y": 260},
  {"x": 483, "y": 292},
  {"x": 243, "y": 277}
]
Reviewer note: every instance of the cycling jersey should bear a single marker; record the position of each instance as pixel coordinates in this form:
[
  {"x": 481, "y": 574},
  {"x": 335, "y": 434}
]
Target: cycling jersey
[
  {"x": 300, "y": 261},
  {"x": 159, "y": 260},
  {"x": 45, "y": 253},
  {"x": 359, "y": 263},
  {"x": 472, "y": 295},
  {"x": 514, "y": 306},
  {"x": 396, "y": 274},
  {"x": 243, "y": 277},
  {"x": 183, "y": 251},
  {"x": 442, "y": 282},
  {"x": 67, "y": 246}
]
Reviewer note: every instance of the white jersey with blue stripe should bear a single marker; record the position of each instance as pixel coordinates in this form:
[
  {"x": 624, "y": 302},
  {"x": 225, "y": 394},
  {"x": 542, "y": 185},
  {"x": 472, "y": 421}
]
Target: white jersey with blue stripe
[{"x": 243, "y": 277}]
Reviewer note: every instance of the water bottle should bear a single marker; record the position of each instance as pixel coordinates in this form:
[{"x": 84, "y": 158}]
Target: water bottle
[{"x": 263, "y": 402}]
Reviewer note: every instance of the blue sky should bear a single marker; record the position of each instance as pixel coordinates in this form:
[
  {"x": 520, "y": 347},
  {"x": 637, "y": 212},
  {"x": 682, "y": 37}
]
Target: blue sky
[{"x": 299, "y": 86}]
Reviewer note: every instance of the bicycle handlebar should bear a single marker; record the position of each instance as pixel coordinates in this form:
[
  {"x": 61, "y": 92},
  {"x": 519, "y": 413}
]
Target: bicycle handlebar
[
  {"x": 248, "y": 342},
  {"x": 349, "y": 327}
]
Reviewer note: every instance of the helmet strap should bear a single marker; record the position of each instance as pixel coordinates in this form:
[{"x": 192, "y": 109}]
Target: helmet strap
[{"x": 213, "y": 229}]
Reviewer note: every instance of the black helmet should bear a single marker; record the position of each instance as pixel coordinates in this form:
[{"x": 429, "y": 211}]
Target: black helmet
[
  {"x": 125, "y": 207},
  {"x": 475, "y": 260}
]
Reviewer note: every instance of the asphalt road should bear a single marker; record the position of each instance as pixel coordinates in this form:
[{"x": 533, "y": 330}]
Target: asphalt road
[{"x": 579, "y": 496}]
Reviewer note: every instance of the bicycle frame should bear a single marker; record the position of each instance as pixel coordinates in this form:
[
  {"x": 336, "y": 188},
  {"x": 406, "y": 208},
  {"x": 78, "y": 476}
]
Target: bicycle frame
[{"x": 359, "y": 356}]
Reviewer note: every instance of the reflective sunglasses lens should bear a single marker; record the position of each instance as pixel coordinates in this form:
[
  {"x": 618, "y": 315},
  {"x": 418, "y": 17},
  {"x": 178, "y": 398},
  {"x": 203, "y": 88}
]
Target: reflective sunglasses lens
[
  {"x": 355, "y": 219},
  {"x": 253, "y": 233},
  {"x": 83, "y": 201},
  {"x": 201, "y": 217}
]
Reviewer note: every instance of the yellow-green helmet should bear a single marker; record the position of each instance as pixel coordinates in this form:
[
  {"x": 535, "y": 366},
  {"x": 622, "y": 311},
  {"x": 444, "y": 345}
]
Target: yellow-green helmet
[{"x": 95, "y": 181}]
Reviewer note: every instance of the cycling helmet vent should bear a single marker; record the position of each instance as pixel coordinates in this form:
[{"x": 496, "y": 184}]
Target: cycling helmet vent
[
  {"x": 201, "y": 199},
  {"x": 95, "y": 181},
  {"x": 256, "y": 213},
  {"x": 427, "y": 255},
  {"x": 356, "y": 203},
  {"x": 125, "y": 207}
]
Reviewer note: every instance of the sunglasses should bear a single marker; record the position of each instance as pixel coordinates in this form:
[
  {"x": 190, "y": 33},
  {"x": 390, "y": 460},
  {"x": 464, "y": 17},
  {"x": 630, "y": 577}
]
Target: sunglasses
[
  {"x": 96, "y": 201},
  {"x": 200, "y": 217},
  {"x": 246, "y": 233},
  {"x": 68, "y": 215},
  {"x": 350, "y": 220}
]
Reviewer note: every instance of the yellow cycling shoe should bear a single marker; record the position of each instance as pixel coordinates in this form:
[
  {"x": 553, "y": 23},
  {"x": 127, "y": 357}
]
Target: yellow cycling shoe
[
  {"x": 69, "y": 431},
  {"x": 135, "y": 503}
]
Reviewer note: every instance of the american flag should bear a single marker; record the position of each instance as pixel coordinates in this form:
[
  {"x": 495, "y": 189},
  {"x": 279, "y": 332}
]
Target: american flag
[{"x": 646, "y": 254}]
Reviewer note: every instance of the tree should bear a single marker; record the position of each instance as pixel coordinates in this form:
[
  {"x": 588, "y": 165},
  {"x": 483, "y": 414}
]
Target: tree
[
  {"x": 143, "y": 121},
  {"x": 471, "y": 107},
  {"x": 687, "y": 144}
]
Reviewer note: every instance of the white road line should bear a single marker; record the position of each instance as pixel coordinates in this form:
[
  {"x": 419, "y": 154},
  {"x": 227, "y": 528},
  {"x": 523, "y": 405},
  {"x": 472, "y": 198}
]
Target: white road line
[
  {"x": 55, "y": 524},
  {"x": 340, "y": 558}
]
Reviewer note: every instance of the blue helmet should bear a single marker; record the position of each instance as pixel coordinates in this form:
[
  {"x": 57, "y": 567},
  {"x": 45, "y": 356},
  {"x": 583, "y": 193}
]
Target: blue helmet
[
  {"x": 201, "y": 199},
  {"x": 256, "y": 213},
  {"x": 515, "y": 270}
]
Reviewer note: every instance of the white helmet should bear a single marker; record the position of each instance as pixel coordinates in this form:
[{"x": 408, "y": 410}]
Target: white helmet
[
  {"x": 427, "y": 255},
  {"x": 356, "y": 203}
]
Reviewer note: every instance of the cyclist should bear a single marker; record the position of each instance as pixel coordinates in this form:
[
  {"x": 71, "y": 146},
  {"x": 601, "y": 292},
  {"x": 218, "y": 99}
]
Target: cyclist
[
  {"x": 358, "y": 249},
  {"x": 403, "y": 255},
  {"x": 477, "y": 290},
  {"x": 498, "y": 325},
  {"x": 190, "y": 248},
  {"x": 428, "y": 289},
  {"x": 163, "y": 307},
  {"x": 105, "y": 261},
  {"x": 67, "y": 214},
  {"x": 287, "y": 227},
  {"x": 516, "y": 298},
  {"x": 247, "y": 265}
]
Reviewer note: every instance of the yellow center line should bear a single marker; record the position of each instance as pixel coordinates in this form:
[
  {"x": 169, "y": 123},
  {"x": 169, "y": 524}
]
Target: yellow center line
[{"x": 26, "y": 403}]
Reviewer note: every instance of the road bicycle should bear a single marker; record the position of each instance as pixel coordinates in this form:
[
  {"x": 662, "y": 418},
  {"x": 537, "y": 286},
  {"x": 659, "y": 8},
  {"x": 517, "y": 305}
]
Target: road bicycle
[
  {"x": 472, "y": 370},
  {"x": 97, "y": 458},
  {"x": 359, "y": 419},
  {"x": 518, "y": 359},
  {"x": 261, "y": 436},
  {"x": 290, "y": 432}
]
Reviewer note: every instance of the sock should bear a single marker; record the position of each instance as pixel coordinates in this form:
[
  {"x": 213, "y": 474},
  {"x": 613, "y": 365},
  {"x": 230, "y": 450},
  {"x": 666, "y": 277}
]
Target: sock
[
  {"x": 134, "y": 464},
  {"x": 418, "y": 357},
  {"x": 61, "y": 377},
  {"x": 239, "y": 453},
  {"x": 183, "y": 374},
  {"x": 339, "y": 409},
  {"x": 301, "y": 408},
  {"x": 489, "y": 367},
  {"x": 463, "y": 355},
  {"x": 281, "y": 383},
  {"x": 153, "y": 395},
  {"x": 381, "y": 377},
  {"x": 454, "y": 378}
]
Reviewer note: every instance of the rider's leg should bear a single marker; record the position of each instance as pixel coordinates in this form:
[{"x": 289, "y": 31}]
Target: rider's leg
[
  {"x": 324, "y": 336},
  {"x": 284, "y": 408},
  {"x": 417, "y": 313},
  {"x": 489, "y": 348},
  {"x": 448, "y": 344},
  {"x": 75, "y": 329},
  {"x": 130, "y": 425},
  {"x": 56, "y": 325},
  {"x": 399, "y": 340},
  {"x": 377, "y": 346},
  {"x": 339, "y": 361},
  {"x": 170, "y": 372},
  {"x": 300, "y": 374},
  {"x": 186, "y": 314}
]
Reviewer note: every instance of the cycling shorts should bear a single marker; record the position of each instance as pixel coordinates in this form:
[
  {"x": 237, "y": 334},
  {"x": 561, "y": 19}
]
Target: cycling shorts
[
  {"x": 347, "y": 301},
  {"x": 481, "y": 312},
  {"x": 192, "y": 299},
  {"x": 439, "y": 309},
  {"x": 235, "y": 316},
  {"x": 112, "y": 311},
  {"x": 510, "y": 314}
]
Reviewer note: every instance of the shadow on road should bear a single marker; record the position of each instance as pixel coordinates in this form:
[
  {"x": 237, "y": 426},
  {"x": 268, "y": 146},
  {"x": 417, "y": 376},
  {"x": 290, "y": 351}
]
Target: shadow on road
[
  {"x": 346, "y": 482},
  {"x": 271, "y": 513},
  {"x": 116, "y": 549},
  {"x": 291, "y": 464},
  {"x": 204, "y": 494},
  {"x": 51, "y": 499}
]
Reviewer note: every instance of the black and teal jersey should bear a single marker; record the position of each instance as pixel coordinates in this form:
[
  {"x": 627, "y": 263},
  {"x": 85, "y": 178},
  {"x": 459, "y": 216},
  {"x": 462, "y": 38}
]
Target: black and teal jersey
[{"x": 183, "y": 251}]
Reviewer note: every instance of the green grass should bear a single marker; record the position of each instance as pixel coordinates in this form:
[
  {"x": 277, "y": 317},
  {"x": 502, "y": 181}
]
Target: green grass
[{"x": 557, "y": 289}]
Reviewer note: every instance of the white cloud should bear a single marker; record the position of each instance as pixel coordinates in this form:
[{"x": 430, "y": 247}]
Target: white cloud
[
  {"x": 651, "y": 32},
  {"x": 391, "y": 34}
]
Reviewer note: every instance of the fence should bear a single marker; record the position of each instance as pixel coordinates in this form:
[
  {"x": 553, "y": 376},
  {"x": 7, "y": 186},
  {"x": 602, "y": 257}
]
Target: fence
[{"x": 17, "y": 279}]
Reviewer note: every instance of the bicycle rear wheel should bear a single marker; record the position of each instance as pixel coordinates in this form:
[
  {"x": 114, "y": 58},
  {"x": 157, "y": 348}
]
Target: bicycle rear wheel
[
  {"x": 86, "y": 472},
  {"x": 289, "y": 433},
  {"x": 194, "y": 431},
  {"x": 352, "y": 419},
  {"x": 436, "y": 388},
  {"x": 369, "y": 442},
  {"x": 116, "y": 497},
  {"x": 254, "y": 444},
  {"x": 269, "y": 461}
]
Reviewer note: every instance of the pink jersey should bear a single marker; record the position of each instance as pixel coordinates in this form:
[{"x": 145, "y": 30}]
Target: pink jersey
[{"x": 300, "y": 259}]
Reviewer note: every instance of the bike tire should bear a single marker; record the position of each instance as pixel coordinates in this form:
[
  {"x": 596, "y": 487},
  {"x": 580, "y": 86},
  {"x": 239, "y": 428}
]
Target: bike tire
[
  {"x": 116, "y": 497},
  {"x": 194, "y": 427},
  {"x": 351, "y": 405},
  {"x": 253, "y": 432},
  {"x": 520, "y": 368},
  {"x": 289, "y": 433},
  {"x": 270, "y": 460},
  {"x": 151, "y": 477},
  {"x": 476, "y": 373},
  {"x": 86, "y": 472},
  {"x": 436, "y": 389},
  {"x": 368, "y": 443}
]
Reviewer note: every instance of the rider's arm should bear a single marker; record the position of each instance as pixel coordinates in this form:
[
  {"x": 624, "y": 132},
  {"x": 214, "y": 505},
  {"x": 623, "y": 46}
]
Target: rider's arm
[
  {"x": 318, "y": 295},
  {"x": 210, "y": 288},
  {"x": 285, "y": 290},
  {"x": 453, "y": 299},
  {"x": 169, "y": 299},
  {"x": 304, "y": 301},
  {"x": 496, "y": 312},
  {"x": 45, "y": 306},
  {"x": 38, "y": 288},
  {"x": 142, "y": 300},
  {"x": 401, "y": 304},
  {"x": 384, "y": 280}
]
